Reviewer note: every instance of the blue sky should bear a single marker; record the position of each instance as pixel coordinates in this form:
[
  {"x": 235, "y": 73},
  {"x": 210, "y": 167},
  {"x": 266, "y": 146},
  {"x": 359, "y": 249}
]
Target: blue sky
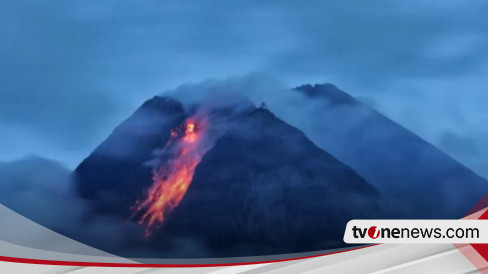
[{"x": 70, "y": 71}]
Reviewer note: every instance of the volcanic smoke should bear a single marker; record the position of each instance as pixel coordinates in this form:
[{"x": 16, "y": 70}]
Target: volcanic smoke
[{"x": 172, "y": 179}]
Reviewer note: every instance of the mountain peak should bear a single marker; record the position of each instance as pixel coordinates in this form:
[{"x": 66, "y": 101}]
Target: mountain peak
[
  {"x": 328, "y": 91},
  {"x": 163, "y": 104},
  {"x": 264, "y": 113},
  {"x": 260, "y": 174}
]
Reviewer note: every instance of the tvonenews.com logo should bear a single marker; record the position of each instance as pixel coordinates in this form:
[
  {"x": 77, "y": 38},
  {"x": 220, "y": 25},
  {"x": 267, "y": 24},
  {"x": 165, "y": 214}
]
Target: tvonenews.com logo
[
  {"x": 374, "y": 232},
  {"x": 416, "y": 231}
]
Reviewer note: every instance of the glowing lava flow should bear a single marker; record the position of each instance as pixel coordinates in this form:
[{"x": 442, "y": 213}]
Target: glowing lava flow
[{"x": 171, "y": 181}]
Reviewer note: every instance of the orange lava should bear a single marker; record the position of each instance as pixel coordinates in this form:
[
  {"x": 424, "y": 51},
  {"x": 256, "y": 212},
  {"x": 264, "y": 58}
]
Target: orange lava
[{"x": 171, "y": 181}]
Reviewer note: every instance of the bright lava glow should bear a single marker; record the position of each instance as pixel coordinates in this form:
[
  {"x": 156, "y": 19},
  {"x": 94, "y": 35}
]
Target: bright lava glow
[{"x": 171, "y": 180}]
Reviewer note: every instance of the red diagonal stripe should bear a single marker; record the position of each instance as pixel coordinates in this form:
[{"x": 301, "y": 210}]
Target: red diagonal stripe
[{"x": 482, "y": 249}]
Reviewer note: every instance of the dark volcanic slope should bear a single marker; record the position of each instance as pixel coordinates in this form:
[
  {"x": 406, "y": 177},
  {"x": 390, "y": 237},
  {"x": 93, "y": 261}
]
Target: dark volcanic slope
[
  {"x": 419, "y": 179},
  {"x": 113, "y": 176},
  {"x": 265, "y": 188}
]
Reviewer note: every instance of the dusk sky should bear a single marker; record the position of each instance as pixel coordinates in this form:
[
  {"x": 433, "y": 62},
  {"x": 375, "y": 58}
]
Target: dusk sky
[{"x": 70, "y": 71}]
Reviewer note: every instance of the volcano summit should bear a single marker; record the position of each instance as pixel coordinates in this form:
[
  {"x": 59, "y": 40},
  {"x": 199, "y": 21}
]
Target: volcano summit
[{"x": 257, "y": 186}]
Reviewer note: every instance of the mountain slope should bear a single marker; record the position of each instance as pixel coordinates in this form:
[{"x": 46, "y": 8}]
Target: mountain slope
[
  {"x": 115, "y": 174},
  {"x": 419, "y": 180},
  {"x": 264, "y": 188}
]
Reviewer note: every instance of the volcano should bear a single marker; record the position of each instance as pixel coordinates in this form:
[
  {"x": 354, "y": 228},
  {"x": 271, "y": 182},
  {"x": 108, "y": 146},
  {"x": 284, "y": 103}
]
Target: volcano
[
  {"x": 237, "y": 180},
  {"x": 261, "y": 186}
]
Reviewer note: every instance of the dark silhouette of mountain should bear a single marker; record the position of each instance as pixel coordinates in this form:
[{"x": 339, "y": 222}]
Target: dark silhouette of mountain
[
  {"x": 263, "y": 188},
  {"x": 419, "y": 180}
]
